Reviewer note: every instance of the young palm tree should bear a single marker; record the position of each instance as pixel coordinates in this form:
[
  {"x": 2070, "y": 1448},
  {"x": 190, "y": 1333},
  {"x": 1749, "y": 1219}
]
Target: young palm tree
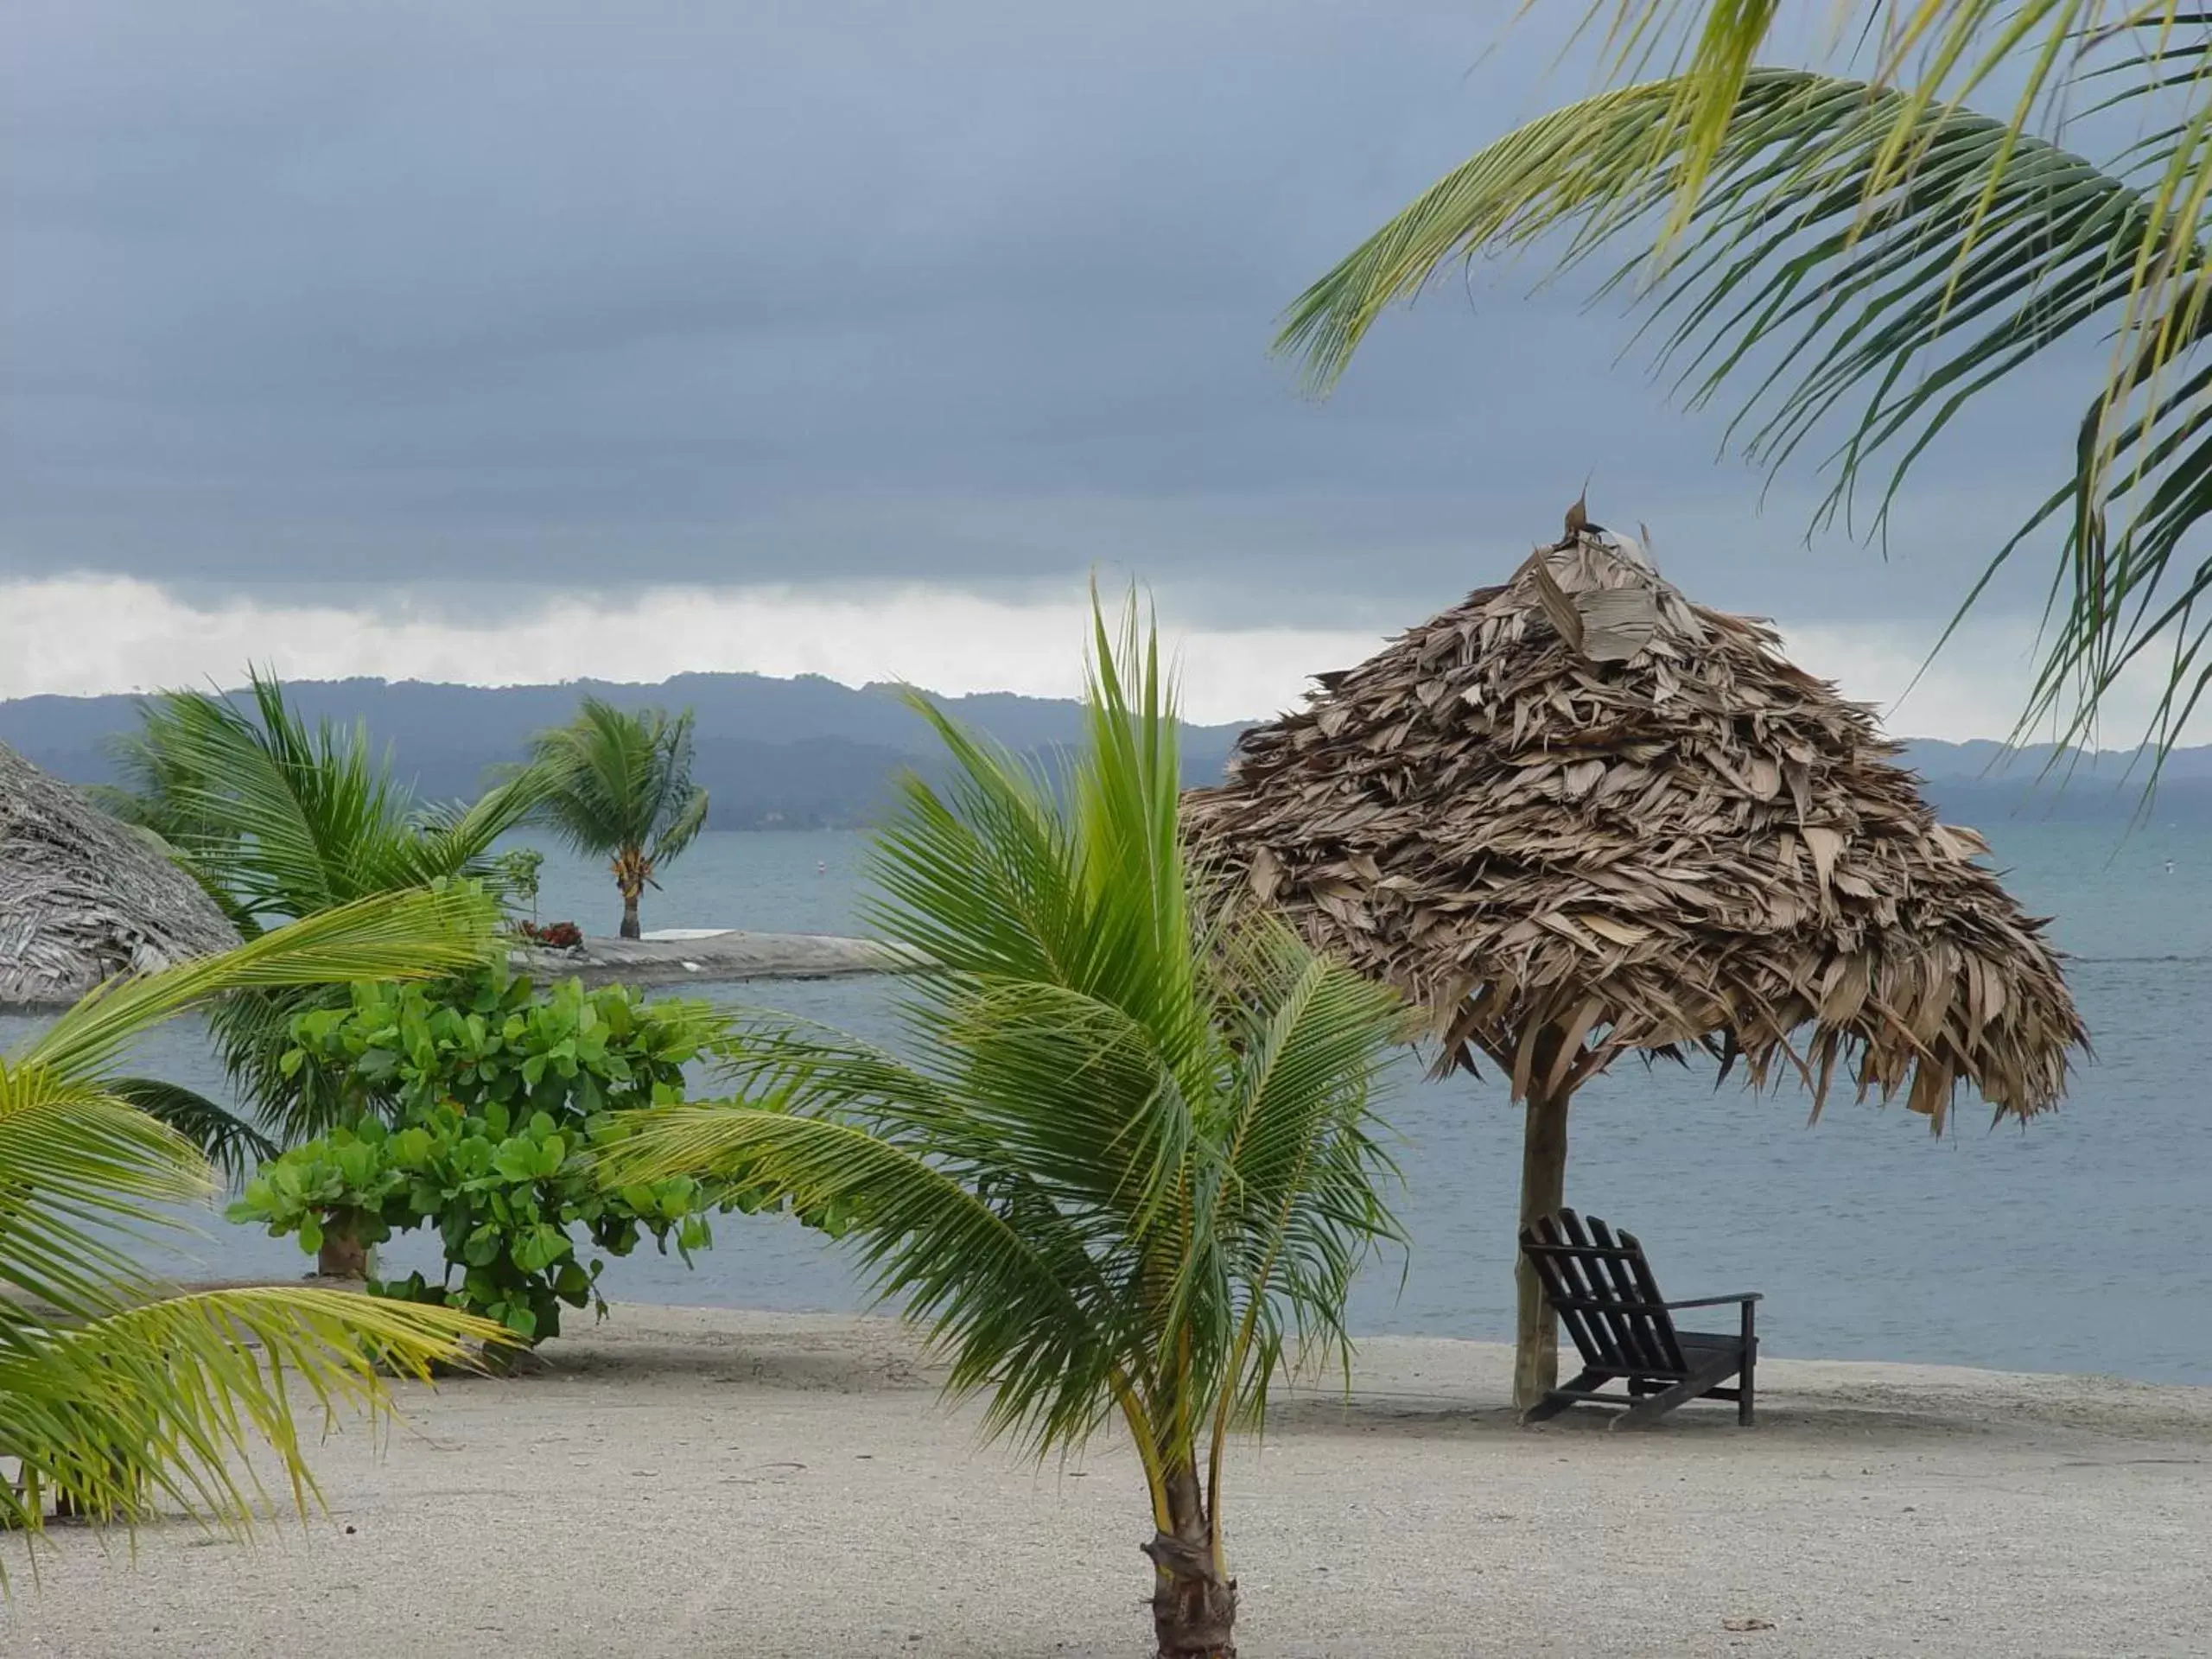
[
  {"x": 116, "y": 1398},
  {"x": 1851, "y": 238},
  {"x": 1131, "y": 1169},
  {"x": 282, "y": 819},
  {"x": 618, "y": 785}
]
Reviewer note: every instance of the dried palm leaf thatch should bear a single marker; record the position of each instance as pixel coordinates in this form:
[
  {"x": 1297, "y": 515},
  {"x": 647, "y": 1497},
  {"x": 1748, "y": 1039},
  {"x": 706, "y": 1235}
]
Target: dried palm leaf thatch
[
  {"x": 1577, "y": 816},
  {"x": 84, "y": 897}
]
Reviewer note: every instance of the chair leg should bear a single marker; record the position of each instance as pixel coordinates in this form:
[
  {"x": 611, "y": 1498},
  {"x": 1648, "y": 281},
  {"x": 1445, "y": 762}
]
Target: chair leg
[
  {"x": 1750, "y": 1339},
  {"x": 1649, "y": 1410},
  {"x": 1558, "y": 1400}
]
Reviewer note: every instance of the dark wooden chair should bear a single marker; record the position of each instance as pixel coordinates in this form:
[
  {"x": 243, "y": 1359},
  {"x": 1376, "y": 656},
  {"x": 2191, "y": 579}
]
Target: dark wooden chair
[{"x": 1604, "y": 1295}]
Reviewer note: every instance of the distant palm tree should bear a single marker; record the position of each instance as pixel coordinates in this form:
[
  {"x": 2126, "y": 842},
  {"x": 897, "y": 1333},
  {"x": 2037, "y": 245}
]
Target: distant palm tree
[
  {"x": 1864, "y": 247},
  {"x": 280, "y": 820},
  {"x": 618, "y": 785},
  {"x": 114, "y": 1395},
  {"x": 1130, "y": 1169}
]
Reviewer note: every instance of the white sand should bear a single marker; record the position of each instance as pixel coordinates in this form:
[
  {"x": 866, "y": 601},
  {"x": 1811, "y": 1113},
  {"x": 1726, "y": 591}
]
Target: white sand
[{"x": 686, "y": 1482}]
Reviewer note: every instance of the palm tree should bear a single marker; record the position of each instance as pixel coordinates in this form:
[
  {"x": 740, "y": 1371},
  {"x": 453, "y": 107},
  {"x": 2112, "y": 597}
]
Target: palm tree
[
  {"x": 618, "y": 785},
  {"x": 1132, "y": 1168},
  {"x": 282, "y": 819},
  {"x": 1869, "y": 247},
  {"x": 115, "y": 1396}
]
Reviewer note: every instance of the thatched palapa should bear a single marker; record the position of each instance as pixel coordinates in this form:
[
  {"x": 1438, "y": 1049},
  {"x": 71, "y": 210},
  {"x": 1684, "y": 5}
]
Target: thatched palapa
[
  {"x": 1577, "y": 816},
  {"x": 83, "y": 898}
]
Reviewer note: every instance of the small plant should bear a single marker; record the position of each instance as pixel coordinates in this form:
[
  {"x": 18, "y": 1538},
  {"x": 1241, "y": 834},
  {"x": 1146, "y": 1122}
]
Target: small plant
[
  {"x": 554, "y": 935},
  {"x": 481, "y": 1110},
  {"x": 519, "y": 871}
]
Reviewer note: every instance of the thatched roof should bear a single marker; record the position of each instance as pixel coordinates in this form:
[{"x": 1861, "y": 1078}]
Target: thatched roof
[
  {"x": 83, "y": 897},
  {"x": 1578, "y": 803}
]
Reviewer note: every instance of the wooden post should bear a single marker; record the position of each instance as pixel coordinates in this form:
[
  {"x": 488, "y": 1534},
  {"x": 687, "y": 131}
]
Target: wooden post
[{"x": 1543, "y": 1189}]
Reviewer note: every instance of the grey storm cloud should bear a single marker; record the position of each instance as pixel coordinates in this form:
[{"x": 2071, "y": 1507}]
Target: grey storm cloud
[{"x": 560, "y": 295}]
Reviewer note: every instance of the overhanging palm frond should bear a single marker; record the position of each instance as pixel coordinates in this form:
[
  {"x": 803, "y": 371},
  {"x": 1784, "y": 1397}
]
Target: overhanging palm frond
[
  {"x": 1814, "y": 272},
  {"x": 1937, "y": 55},
  {"x": 119, "y": 1403},
  {"x": 87, "y": 1178},
  {"x": 157, "y": 1406},
  {"x": 420, "y": 934}
]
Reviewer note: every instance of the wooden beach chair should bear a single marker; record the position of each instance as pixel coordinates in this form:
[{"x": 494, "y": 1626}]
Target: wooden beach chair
[{"x": 1604, "y": 1295}]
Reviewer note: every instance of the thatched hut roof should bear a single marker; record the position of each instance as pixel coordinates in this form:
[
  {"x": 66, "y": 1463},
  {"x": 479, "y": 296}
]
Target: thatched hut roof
[
  {"x": 1580, "y": 804},
  {"x": 83, "y": 898}
]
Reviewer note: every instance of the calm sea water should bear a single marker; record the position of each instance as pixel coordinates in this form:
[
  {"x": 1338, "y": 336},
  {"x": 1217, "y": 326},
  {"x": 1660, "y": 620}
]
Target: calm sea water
[{"x": 2078, "y": 1244}]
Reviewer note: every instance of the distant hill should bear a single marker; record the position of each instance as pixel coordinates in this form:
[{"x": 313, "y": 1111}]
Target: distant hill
[
  {"x": 810, "y": 752},
  {"x": 798, "y": 754},
  {"x": 1984, "y": 784}
]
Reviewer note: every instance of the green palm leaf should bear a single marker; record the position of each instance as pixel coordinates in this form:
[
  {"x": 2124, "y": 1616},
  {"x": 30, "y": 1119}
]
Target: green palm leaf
[
  {"x": 422, "y": 933},
  {"x": 1872, "y": 255},
  {"x": 157, "y": 1406},
  {"x": 229, "y": 1141},
  {"x": 115, "y": 1398}
]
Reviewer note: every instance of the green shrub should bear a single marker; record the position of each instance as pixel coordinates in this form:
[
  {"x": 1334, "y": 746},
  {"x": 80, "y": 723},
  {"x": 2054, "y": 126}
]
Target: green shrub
[{"x": 478, "y": 1109}]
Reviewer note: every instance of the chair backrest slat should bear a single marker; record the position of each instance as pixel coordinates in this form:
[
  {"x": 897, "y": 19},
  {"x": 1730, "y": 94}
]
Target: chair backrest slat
[
  {"x": 1603, "y": 1290},
  {"x": 1633, "y": 1284},
  {"x": 1559, "y": 1272},
  {"x": 1594, "y": 1286}
]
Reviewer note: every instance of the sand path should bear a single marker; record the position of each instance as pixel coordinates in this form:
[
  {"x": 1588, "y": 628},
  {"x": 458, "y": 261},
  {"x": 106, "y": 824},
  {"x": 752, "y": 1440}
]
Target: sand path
[{"x": 690, "y": 1482}]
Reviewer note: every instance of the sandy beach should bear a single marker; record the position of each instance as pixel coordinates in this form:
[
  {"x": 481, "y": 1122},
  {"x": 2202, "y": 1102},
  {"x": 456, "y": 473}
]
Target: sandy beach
[{"x": 697, "y": 1481}]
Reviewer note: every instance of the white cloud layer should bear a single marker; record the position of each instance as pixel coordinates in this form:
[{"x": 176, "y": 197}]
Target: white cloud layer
[{"x": 81, "y": 636}]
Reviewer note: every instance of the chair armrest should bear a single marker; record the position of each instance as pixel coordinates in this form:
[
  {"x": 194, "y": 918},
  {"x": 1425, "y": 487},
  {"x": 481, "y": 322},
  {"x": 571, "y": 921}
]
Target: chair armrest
[{"x": 1716, "y": 1301}]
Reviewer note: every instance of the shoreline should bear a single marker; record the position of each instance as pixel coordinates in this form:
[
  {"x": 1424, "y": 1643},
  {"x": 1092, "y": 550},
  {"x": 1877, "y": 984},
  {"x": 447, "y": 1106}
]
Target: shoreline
[
  {"x": 681, "y": 1480},
  {"x": 1935, "y": 1375}
]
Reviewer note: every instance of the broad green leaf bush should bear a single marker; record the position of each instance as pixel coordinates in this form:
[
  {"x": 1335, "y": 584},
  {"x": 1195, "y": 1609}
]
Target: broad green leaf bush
[{"x": 479, "y": 1109}]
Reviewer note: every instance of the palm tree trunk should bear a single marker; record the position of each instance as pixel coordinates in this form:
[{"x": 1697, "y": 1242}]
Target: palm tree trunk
[
  {"x": 1543, "y": 1189},
  {"x": 1194, "y": 1607},
  {"x": 630, "y": 929},
  {"x": 343, "y": 1256}
]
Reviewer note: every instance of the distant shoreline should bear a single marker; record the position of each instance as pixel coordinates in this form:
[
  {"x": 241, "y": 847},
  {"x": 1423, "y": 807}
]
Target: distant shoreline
[{"x": 715, "y": 957}]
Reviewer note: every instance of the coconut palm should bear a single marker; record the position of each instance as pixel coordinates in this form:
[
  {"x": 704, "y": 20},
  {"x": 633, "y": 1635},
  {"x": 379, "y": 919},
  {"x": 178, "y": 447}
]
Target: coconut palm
[
  {"x": 280, "y": 818},
  {"x": 1131, "y": 1169},
  {"x": 1864, "y": 246},
  {"x": 117, "y": 1398},
  {"x": 618, "y": 785}
]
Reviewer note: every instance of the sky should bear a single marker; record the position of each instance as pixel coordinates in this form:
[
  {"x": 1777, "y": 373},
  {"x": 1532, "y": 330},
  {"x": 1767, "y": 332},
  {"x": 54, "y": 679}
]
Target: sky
[{"x": 518, "y": 342}]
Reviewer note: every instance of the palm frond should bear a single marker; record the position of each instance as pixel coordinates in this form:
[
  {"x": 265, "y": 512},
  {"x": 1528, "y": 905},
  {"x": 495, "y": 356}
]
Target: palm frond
[
  {"x": 227, "y": 1141},
  {"x": 1830, "y": 280},
  {"x": 420, "y": 934},
  {"x": 1014, "y": 1303},
  {"x": 681, "y": 830},
  {"x": 84, "y": 1178},
  {"x": 155, "y": 1406}
]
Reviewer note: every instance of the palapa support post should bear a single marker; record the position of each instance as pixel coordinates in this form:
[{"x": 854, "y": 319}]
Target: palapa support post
[{"x": 1543, "y": 1190}]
